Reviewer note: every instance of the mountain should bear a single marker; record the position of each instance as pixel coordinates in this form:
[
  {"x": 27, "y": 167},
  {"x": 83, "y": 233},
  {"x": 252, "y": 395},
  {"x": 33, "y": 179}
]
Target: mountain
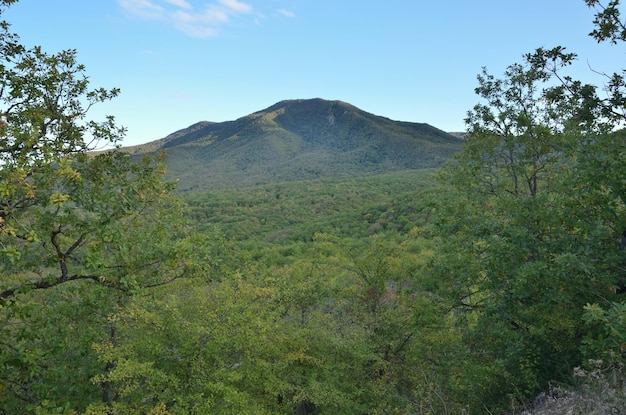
[{"x": 298, "y": 140}]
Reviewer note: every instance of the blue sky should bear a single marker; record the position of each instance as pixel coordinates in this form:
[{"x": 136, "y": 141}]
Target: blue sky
[{"x": 178, "y": 62}]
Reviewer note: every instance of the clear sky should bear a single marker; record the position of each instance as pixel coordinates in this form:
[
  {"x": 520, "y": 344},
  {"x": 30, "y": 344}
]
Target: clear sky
[{"x": 178, "y": 62}]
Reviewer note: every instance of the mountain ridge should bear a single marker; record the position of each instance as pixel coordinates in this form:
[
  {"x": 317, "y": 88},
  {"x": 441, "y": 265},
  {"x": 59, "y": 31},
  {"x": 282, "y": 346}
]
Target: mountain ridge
[{"x": 297, "y": 139}]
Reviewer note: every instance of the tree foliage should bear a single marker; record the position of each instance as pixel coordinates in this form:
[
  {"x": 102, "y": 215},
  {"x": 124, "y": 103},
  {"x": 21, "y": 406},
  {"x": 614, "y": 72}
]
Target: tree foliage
[
  {"x": 536, "y": 229},
  {"x": 80, "y": 231}
]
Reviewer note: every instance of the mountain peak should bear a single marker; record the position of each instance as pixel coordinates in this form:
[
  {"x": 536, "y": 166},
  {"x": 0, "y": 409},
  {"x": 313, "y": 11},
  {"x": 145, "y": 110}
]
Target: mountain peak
[
  {"x": 298, "y": 139},
  {"x": 310, "y": 104}
]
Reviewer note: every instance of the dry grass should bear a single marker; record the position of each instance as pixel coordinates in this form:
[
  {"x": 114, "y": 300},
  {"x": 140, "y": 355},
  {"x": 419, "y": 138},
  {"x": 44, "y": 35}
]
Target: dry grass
[{"x": 602, "y": 391}]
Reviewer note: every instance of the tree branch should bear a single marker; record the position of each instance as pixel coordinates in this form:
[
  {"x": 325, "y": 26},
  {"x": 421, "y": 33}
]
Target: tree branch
[{"x": 49, "y": 283}]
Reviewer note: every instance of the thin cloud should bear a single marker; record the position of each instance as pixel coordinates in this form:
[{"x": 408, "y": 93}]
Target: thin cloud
[
  {"x": 145, "y": 9},
  {"x": 203, "y": 22},
  {"x": 180, "y": 3},
  {"x": 286, "y": 13},
  {"x": 236, "y": 6}
]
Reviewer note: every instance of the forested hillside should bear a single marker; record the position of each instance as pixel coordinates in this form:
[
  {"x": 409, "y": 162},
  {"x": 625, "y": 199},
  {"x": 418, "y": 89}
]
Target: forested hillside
[
  {"x": 491, "y": 285},
  {"x": 297, "y": 140}
]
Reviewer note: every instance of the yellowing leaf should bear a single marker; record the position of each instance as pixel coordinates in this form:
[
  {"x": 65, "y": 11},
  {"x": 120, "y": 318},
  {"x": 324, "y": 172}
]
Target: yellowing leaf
[{"x": 58, "y": 198}]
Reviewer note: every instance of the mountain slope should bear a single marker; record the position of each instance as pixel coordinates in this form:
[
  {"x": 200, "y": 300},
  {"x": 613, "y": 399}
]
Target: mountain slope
[{"x": 297, "y": 140}]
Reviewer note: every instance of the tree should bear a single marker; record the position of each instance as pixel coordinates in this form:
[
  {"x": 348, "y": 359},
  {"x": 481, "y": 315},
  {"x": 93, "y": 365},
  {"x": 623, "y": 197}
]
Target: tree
[
  {"x": 80, "y": 231},
  {"x": 254, "y": 342},
  {"x": 533, "y": 229}
]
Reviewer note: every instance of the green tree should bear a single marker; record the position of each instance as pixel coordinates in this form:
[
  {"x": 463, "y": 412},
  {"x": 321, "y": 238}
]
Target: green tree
[
  {"x": 245, "y": 345},
  {"x": 80, "y": 232},
  {"x": 532, "y": 230},
  {"x": 409, "y": 343},
  {"x": 346, "y": 330}
]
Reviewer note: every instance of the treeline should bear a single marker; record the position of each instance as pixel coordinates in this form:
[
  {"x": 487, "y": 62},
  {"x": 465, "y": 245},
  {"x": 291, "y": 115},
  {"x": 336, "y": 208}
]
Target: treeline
[{"x": 470, "y": 289}]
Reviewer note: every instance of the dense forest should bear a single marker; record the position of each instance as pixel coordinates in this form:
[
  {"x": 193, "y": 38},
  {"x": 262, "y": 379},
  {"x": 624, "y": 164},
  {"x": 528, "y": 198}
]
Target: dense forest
[{"x": 492, "y": 285}]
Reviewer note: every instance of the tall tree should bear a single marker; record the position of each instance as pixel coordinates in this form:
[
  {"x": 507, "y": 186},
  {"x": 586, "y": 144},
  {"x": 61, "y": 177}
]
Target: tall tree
[
  {"x": 79, "y": 231},
  {"x": 535, "y": 227}
]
